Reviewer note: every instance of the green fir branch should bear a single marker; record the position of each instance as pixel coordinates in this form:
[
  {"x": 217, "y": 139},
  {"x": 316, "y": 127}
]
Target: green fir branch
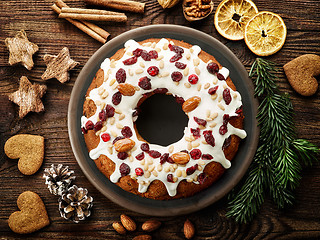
[{"x": 276, "y": 167}]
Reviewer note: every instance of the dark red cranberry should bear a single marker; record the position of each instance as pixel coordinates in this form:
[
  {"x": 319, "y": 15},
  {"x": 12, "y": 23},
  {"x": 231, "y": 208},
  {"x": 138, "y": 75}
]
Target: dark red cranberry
[
  {"x": 124, "y": 169},
  {"x": 140, "y": 156},
  {"x": 170, "y": 178},
  {"x": 227, "y": 96},
  {"x": 192, "y": 169},
  {"x": 195, "y": 154},
  {"x": 116, "y": 98},
  {"x": 226, "y": 119},
  {"x": 209, "y": 137},
  {"x": 110, "y": 110},
  {"x": 145, "y": 83},
  {"x": 84, "y": 130},
  {"x": 185, "y": 151},
  {"x": 161, "y": 90},
  {"x": 202, "y": 178},
  {"x": 103, "y": 115},
  {"x": 145, "y": 147},
  {"x": 176, "y": 76},
  {"x": 220, "y": 76},
  {"x": 176, "y": 57},
  {"x": 195, "y": 132},
  {"x": 206, "y": 157},
  {"x": 153, "y": 54},
  {"x": 239, "y": 110},
  {"x": 146, "y": 95},
  {"x": 164, "y": 158},
  {"x": 130, "y": 61},
  {"x": 122, "y": 155},
  {"x": 121, "y": 75},
  {"x": 105, "y": 137},
  {"x": 170, "y": 160},
  {"x": 176, "y": 49},
  {"x": 223, "y": 129},
  {"x": 193, "y": 79},
  {"x": 98, "y": 126},
  {"x": 145, "y": 55},
  {"x": 180, "y": 65},
  {"x": 137, "y": 52},
  {"x": 139, "y": 171},
  {"x": 226, "y": 143},
  {"x": 212, "y": 67},
  {"x": 153, "y": 71},
  {"x": 126, "y": 132},
  {"x": 179, "y": 100},
  {"x": 200, "y": 121},
  {"x": 89, "y": 125},
  {"x": 117, "y": 139},
  {"x": 154, "y": 153},
  {"x": 213, "y": 90}
]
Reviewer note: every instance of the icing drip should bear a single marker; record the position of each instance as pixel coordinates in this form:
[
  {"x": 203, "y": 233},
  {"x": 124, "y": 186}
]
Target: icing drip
[{"x": 212, "y": 108}]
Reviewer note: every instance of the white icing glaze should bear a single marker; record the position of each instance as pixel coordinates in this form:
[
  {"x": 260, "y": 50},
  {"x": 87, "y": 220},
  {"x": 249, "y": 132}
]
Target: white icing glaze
[{"x": 129, "y": 103}]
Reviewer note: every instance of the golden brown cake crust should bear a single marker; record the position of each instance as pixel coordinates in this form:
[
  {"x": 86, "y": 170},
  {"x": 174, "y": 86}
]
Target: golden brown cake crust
[{"x": 157, "y": 189}]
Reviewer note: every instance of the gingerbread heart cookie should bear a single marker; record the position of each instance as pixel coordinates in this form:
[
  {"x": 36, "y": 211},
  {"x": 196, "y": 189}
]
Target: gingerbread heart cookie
[
  {"x": 29, "y": 149},
  {"x": 301, "y": 73},
  {"x": 33, "y": 215}
]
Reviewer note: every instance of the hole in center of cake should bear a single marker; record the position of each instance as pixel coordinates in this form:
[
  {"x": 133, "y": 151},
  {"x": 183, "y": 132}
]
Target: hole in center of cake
[{"x": 161, "y": 120}]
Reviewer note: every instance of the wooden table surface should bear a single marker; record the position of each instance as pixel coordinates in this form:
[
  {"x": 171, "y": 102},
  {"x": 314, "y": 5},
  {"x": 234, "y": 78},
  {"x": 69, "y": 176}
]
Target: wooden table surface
[{"x": 301, "y": 221}]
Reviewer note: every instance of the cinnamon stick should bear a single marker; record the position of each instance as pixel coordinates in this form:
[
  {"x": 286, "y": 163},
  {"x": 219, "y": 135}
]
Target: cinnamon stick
[
  {"x": 94, "y": 17},
  {"x": 124, "y": 5},
  {"x": 81, "y": 26},
  {"x": 89, "y": 11},
  {"x": 104, "y": 34}
]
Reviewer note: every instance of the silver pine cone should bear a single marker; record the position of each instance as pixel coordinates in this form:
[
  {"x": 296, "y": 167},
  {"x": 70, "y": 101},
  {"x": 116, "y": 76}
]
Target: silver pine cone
[
  {"x": 75, "y": 204},
  {"x": 58, "y": 178}
]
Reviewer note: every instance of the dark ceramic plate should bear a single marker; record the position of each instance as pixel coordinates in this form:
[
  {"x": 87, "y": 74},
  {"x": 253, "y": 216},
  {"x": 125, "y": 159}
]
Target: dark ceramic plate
[{"x": 172, "y": 207}]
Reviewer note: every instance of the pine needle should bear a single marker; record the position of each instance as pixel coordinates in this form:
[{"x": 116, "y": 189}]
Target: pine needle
[{"x": 276, "y": 167}]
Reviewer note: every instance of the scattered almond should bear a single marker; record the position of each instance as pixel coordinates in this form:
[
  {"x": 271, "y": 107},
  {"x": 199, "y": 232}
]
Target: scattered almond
[
  {"x": 142, "y": 237},
  {"x": 127, "y": 222},
  {"x": 151, "y": 225},
  {"x": 124, "y": 145},
  {"x": 190, "y": 104},
  {"x": 180, "y": 158},
  {"x": 188, "y": 229},
  {"x": 119, "y": 228},
  {"x": 126, "y": 89}
]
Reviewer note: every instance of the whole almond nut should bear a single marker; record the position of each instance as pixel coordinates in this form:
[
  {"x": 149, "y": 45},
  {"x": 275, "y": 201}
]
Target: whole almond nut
[
  {"x": 151, "y": 225},
  {"x": 128, "y": 223},
  {"x": 190, "y": 104},
  {"x": 180, "y": 158},
  {"x": 188, "y": 229},
  {"x": 124, "y": 145},
  {"x": 126, "y": 89},
  {"x": 142, "y": 237},
  {"x": 119, "y": 228}
]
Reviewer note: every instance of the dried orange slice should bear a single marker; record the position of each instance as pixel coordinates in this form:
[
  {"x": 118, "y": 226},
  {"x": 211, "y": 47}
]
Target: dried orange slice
[
  {"x": 265, "y": 33},
  {"x": 232, "y": 16}
]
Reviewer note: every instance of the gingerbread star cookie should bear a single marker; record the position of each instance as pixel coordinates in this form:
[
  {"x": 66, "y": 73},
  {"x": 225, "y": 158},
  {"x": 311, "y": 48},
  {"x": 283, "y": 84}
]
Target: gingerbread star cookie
[
  {"x": 58, "y": 66},
  {"x": 28, "y": 97},
  {"x": 32, "y": 215},
  {"x": 21, "y": 50}
]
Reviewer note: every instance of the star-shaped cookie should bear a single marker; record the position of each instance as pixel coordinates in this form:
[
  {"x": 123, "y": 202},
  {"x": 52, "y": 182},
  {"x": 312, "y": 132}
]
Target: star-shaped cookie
[
  {"x": 21, "y": 50},
  {"x": 28, "y": 97},
  {"x": 58, "y": 66}
]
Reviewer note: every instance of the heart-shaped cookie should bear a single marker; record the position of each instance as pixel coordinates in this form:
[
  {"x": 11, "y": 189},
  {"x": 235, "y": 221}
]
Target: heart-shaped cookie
[
  {"x": 33, "y": 215},
  {"x": 29, "y": 149},
  {"x": 301, "y": 73}
]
